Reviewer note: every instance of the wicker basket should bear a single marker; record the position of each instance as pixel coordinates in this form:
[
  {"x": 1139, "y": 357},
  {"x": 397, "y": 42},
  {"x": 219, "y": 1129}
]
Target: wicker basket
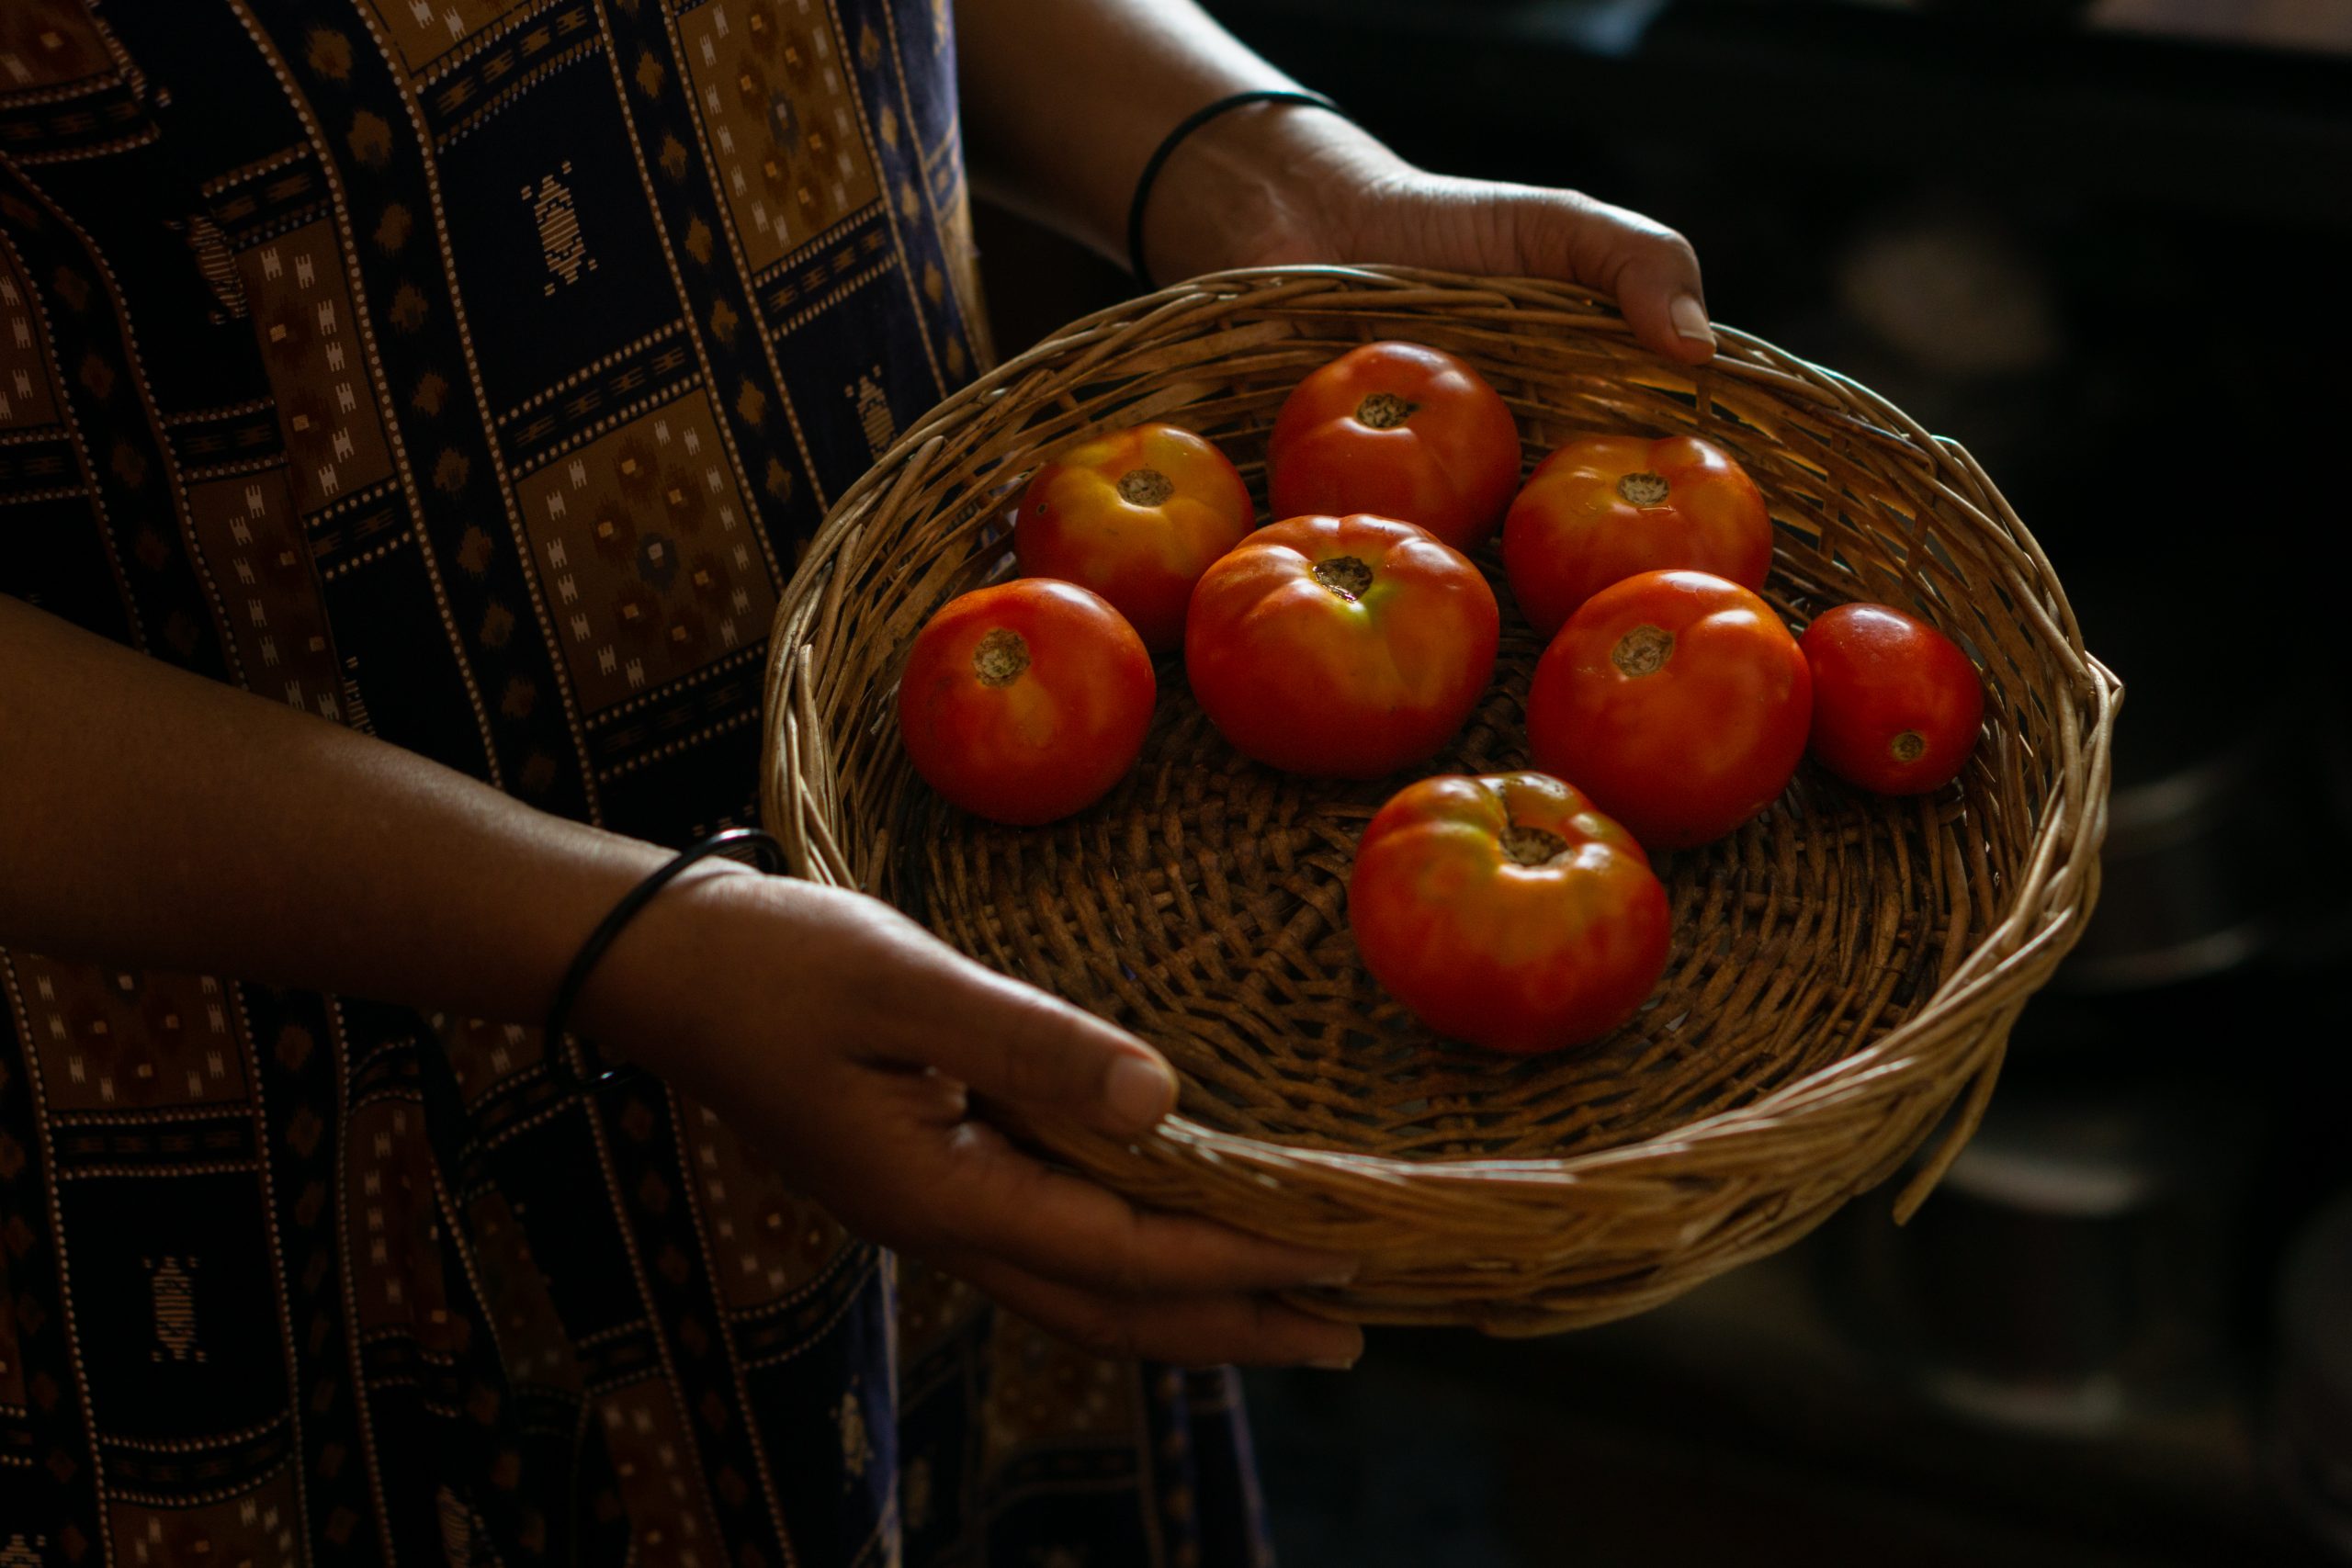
[{"x": 1846, "y": 969}]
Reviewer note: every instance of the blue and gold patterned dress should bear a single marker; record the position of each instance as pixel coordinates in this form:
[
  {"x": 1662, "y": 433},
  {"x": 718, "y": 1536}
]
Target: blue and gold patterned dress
[{"x": 470, "y": 372}]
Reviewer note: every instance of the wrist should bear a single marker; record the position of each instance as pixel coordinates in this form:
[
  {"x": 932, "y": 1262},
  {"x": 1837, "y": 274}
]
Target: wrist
[{"x": 642, "y": 1001}]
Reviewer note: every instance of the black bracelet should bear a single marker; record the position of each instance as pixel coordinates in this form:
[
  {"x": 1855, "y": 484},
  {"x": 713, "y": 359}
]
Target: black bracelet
[
  {"x": 1184, "y": 128},
  {"x": 770, "y": 857}
]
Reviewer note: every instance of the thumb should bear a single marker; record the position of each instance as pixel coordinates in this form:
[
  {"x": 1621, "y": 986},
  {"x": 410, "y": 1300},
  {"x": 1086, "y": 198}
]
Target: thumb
[
  {"x": 1651, "y": 270},
  {"x": 1014, "y": 1043}
]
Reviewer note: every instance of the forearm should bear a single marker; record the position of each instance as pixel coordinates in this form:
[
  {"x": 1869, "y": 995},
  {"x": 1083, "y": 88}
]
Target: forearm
[
  {"x": 150, "y": 818},
  {"x": 1065, "y": 100}
]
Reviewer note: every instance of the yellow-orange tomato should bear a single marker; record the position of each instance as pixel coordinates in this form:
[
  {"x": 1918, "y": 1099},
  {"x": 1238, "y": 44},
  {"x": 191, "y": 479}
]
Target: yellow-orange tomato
[
  {"x": 1136, "y": 516},
  {"x": 1605, "y": 508},
  {"x": 1340, "y": 647}
]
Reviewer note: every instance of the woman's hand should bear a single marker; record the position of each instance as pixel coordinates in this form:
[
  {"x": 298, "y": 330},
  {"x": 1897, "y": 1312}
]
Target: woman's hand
[
  {"x": 1065, "y": 101},
  {"x": 847, "y": 1044},
  {"x": 1283, "y": 183}
]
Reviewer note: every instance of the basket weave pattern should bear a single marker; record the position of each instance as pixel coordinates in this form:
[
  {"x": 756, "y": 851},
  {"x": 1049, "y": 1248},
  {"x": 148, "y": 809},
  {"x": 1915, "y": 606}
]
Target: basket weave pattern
[{"x": 1846, "y": 969}]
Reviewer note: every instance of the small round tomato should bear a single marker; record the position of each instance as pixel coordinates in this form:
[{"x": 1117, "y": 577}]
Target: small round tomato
[
  {"x": 1025, "y": 702},
  {"x": 1506, "y": 911},
  {"x": 1676, "y": 701},
  {"x": 1895, "y": 703},
  {"x": 1340, "y": 647},
  {"x": 1136, "y": 516},
  {"x": 1399, "y": 431},
  {"x": 1606, "y": 507}
]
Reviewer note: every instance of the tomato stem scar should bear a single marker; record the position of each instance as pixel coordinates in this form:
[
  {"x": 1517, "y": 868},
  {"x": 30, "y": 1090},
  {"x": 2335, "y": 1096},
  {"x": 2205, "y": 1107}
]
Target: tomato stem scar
[
  {"x": 1001, "y": 657},
  {"x": 1643, "y": 651},
  {"x": 1384, "y": 411},
  {"x": 1344, "y": 575},
  {"x": 1643, "y": 489},
  {"x": 1533, "y": 846},
  {"x": 1906, "y": 747},
  {"x": 1145, "y": 487}
]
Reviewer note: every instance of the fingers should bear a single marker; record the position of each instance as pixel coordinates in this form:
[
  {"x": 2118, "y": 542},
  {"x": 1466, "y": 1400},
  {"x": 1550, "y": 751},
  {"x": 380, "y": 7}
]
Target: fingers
[
  {"x": 1651, "y": 270},
  {"x": 1014, "y": 1043},
  {"x": 1192, "y": 1331},
  {"x": 1426, "y": 220},
  {"x": 1655, "y": 280},
  {"x": 998, "y": 1201}
]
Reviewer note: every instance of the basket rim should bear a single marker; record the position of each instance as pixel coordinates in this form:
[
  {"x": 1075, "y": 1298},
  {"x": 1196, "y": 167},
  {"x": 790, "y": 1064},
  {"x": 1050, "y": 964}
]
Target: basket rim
[{"x": 2019, "y": 949}]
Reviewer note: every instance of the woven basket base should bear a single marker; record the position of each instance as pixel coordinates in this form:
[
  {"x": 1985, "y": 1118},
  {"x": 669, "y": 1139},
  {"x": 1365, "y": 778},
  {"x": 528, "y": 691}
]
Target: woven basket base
[{"x": 1204, "y": 905}]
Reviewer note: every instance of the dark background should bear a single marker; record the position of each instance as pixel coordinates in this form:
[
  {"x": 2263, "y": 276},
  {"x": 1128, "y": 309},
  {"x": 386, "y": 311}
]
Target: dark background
[{"x": 2105, "y": 246}]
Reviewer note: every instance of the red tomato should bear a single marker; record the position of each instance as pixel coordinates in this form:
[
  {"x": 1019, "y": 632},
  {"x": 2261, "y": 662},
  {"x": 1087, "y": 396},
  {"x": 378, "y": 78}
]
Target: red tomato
[
  {"x": 1601, "y": 509},
  {"x": 1340, "y": 647},
  {"x": 1136, "y": 516},
  {"x": 1506, "y": 911},
  {"x": 1895, "y": 703},
  {"x": 1025, "y": 702},
  {"x": 1399, "y": 431},
  {"x": 1678, "y": 701}
]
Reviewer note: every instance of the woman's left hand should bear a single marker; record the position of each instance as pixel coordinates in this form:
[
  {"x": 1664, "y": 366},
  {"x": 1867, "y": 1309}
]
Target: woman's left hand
[{"x": 1283, "y": 185}]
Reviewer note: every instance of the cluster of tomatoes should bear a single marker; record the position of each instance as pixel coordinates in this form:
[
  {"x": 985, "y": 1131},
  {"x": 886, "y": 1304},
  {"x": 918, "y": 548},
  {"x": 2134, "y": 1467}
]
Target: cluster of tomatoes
[{"x": 1353, "y": 639}]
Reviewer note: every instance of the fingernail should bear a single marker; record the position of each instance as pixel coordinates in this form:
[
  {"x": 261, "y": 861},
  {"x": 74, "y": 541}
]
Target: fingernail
[
  {"x": 1340, "y": 1274},
  {"x": 1139, "y": 1091},
  {"x": 1333, "y": 1366},
  {"x": 1690, "y": 319}
]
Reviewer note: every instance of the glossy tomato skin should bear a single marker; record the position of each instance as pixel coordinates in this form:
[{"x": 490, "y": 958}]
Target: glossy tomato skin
[
  {"x": 1505, "y": 910},
  {"x": 1397, "y": 430},
  {"x": 1605, "y": 508},
  {"x": 1340, "y": 647},
  {"x": 1136, "y": 516},
  {"x": 1896, "y": 705},
  {"x": 1025, "y": 702},
  {"x": 1678, "y": 701}
]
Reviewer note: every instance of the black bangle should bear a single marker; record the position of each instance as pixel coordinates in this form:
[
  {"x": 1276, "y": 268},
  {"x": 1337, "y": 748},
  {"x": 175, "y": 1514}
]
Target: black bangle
[
  {"x": 1184, "y": 128},
  {"x": 770, "y": 857}
]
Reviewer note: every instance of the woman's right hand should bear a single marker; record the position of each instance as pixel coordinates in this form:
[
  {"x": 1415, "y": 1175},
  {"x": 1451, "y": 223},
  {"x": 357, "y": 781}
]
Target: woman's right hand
[{"x": 846, "y": 1043}]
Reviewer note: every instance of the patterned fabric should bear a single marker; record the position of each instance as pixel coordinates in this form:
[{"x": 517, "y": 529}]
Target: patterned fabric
[{"x": 470, "y": 373}]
